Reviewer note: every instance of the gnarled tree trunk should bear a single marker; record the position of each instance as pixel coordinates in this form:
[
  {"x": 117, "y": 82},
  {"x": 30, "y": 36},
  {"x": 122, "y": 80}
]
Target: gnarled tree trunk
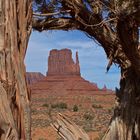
[
  {"x": 125, "y": 124},
  {"x": 15, "y": 20}
]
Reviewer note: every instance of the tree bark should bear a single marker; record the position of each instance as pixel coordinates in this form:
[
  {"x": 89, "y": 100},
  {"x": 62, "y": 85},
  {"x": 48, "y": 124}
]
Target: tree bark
[
  {"x": 68, "y": 130},
  {"x": 15, "y": 28},
  {"x": 125, "y": 124}
]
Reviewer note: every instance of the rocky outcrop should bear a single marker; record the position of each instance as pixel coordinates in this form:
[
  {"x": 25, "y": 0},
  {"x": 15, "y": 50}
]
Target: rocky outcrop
[
  {"x": 64, "y": 84},
  {"x": 60, "y": 62},
  {"x": 104, "y": 88},
  {"x": 34, "y": 77},
  {"x": 63, "y": 76}
]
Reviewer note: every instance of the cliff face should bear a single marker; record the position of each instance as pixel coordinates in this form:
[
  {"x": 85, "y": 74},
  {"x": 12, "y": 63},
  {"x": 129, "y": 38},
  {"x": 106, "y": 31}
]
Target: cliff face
[
  {"x": 60, "y": 62},
  {"x": 34, "y": 77},
  {"x": 63, "y": 76}
]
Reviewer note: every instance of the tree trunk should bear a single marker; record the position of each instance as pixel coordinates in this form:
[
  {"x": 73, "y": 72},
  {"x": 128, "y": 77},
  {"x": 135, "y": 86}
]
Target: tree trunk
[
  {"x": 15, "y": 20},
  {"x": 125, "y": 124}
]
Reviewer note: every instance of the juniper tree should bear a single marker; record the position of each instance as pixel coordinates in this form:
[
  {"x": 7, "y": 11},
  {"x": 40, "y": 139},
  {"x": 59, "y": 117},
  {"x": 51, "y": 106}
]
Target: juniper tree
[{"x": 15, "y": 29}]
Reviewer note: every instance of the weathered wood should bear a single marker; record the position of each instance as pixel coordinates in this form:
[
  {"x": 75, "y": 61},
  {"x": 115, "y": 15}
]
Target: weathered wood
[
  {"x": 15, "y": 28},
  {"x": 6, "y": 116},
  {"x": 125, "y": 124},
  {"x": 68, "y": 130}
]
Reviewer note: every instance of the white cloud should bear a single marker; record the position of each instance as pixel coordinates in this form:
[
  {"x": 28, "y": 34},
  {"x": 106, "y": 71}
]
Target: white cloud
[{"x": 76, "y": 44}]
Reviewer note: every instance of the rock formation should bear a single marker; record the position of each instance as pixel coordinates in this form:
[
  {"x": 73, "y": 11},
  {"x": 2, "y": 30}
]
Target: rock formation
[
  {"x": 63, "y": 76},
  {"x": 60, "y": 62},
  {"x": 33, "y": 77},
  {"x": 104, "y": 88}
]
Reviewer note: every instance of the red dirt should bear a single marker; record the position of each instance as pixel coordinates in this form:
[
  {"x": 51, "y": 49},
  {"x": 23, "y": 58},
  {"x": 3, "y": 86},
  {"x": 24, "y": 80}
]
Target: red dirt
[{"x": 71, "y": 91}]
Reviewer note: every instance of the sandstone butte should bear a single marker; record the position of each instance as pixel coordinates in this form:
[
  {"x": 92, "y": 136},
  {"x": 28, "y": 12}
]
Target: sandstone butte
[
  {"x": 60, "y": 62},
  {"x": 63, "y": 76}
]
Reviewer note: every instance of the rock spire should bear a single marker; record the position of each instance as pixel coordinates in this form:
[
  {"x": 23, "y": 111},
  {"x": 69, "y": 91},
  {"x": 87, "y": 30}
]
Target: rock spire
[{"x": 60, "y": 62}]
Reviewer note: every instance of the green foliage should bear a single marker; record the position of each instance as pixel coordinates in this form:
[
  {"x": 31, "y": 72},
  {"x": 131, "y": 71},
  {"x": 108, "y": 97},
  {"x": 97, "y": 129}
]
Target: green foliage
[
  {"x": 45, "y": 105},
  {"x": 110, "y": 110},
  {"x": 75, "y": 108},
  {"x": 60, "y": 105},
  {"x": 96, "y": 106}
]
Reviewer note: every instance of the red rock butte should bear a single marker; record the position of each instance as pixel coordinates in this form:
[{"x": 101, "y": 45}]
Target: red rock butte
[
  {"x": 60, "y": 62},
  {"x": 63, "y": 76}
]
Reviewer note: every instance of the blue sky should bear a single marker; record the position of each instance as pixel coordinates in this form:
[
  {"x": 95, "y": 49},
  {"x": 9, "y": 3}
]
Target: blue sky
[{"x": 92, "y": 58}]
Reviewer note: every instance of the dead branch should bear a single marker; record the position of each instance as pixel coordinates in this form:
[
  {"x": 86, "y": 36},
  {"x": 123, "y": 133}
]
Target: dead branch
[
  {"x": 52, "y": 24},
  {"x": 51, "y": 14},
  {"x": 68, "y": 130}
]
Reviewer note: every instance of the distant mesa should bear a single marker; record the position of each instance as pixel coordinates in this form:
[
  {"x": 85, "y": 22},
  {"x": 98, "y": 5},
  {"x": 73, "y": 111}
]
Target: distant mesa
[
  {"x": 60, "y": 62},
  {"x": 34, "y": 77},
  {"x": 104, "y": 88}
]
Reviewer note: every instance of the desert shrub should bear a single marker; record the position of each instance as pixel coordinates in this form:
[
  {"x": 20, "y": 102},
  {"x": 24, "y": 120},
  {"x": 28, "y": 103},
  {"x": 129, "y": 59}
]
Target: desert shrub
[
  {"x": 88, "y": 116},
  {"x": 96, "y": 106},
  {"x": 110, "y": 110},
  {"x": 60, "y": 105},
  {"x": 75, "y": 108},
  {"x": 33, "y": 111},
  {"x": 45, "y": 105}
]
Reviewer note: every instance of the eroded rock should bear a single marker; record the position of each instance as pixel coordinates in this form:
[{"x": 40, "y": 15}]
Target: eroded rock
[{"x": 60, "y": 62}]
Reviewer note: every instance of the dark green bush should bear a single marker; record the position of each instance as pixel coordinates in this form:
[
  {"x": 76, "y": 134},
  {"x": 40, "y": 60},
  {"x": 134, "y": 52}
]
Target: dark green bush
[
  {"x": 60, "y": 105},
  {"x": 96, "y": 106},
  {"x": 45, "y": 105},
  {"x": 75, "y": 108}
]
